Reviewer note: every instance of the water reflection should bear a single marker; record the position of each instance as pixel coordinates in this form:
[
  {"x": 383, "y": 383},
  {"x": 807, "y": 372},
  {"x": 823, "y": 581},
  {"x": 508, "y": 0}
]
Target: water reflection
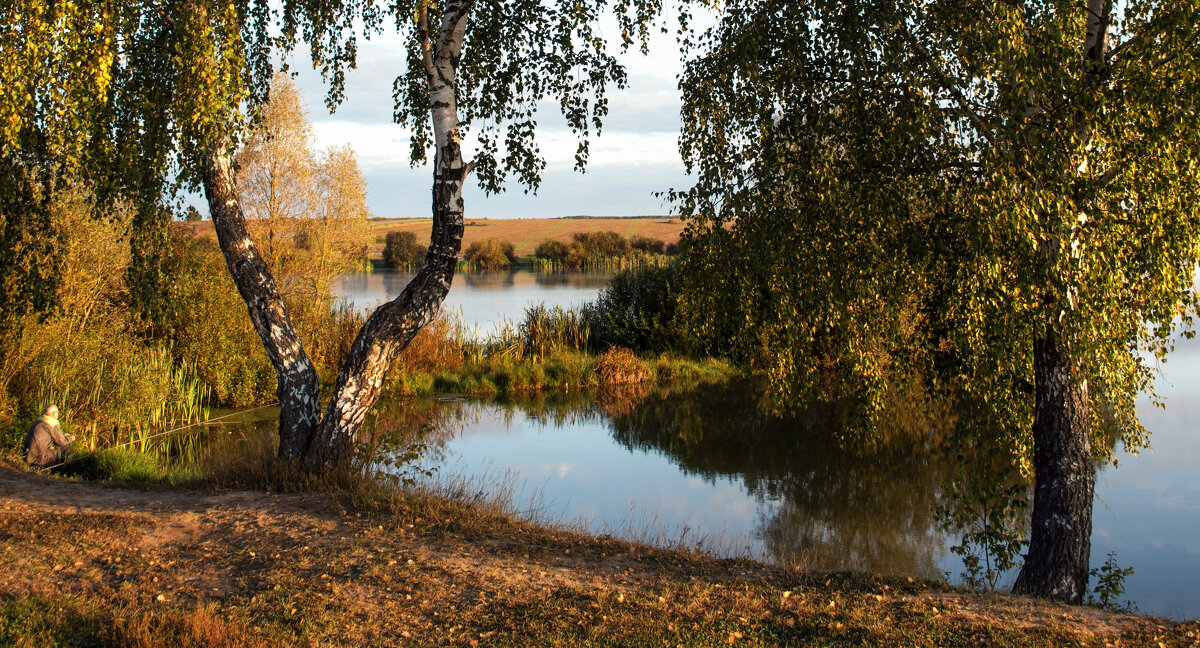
[
  {"x": 708, "y": 461},
  {"x": 836, "y": 508},
  {"x": 650, "y": 465}
]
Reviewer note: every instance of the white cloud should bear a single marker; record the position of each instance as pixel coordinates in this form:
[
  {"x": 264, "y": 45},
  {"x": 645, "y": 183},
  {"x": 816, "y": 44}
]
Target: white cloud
[{"x": 634, "y": 156}]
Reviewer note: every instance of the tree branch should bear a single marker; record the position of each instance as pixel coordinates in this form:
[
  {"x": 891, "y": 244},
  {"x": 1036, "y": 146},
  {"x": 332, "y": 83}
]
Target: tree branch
[
  {"x": 975, "y": 118},
  {"x": 423, "y": 37}
]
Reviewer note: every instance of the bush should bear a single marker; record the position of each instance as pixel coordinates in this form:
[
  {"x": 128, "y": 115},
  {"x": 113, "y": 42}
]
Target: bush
[
  {"x": 91, "y": 355},
  {"x": 636, "y": 311},
  {"x": 551, "y": 250},
  {"x": 603, "y": 249},
  {"x": 490, "y": 254},
  {"x": 647, "y": 244},
  {"x": 577, "y": 255},
  {"x": 401, "y": 250},
  {"x": 618, "y": 366},
  {"x": 602, "y": 244},
  {"x": 210, "y": 329}
]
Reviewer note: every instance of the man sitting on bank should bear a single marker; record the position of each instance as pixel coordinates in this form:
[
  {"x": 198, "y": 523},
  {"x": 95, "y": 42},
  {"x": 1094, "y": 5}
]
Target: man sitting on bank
[{"x": 46, "y": 445}]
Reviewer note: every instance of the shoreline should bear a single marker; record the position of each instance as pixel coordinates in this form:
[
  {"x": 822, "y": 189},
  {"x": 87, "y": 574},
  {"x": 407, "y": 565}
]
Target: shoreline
[{"x": 363, "y": 567}]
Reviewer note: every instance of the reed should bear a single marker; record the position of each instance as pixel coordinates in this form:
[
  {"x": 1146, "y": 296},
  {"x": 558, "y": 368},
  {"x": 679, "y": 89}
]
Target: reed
[
  {"x": 126, "y": 401},
  {"x": 544, "y": 331}
]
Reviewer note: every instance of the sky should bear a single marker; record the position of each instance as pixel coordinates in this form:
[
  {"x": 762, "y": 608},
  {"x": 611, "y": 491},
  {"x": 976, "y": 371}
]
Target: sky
[{"x": 634, "y": 157}]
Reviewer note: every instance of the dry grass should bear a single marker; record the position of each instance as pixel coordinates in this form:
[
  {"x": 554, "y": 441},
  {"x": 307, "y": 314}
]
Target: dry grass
[
  {"x": 86, "y": 565},
  {"x": 619, "y": 366},
  {"x": 523, "y": 233}
]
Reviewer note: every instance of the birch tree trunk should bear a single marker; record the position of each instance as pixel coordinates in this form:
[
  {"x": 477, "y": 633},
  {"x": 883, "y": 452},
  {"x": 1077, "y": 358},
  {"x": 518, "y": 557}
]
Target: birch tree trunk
[
  {"x": 392, "y": 326},
  {"x": 1060, "y": 543},
  {"x": 298, "y": 386},
  {"x": 304, "y": 435},
  {"x": 1056, "y": 566}
]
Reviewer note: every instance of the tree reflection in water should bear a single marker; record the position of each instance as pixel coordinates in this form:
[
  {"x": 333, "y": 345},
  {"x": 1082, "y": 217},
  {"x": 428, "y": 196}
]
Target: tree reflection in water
[
  {"x": 822, "y": 504},
  {"x": 837, "y": 508},
  {"x": 828, "y": 507}
]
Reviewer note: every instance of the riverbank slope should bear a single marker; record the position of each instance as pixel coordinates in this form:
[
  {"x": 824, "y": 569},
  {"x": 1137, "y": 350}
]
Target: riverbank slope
[{"x": 89, "y": 564}]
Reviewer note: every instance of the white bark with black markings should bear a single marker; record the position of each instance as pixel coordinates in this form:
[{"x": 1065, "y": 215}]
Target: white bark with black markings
[
  {"x": 330, "y": 440},
  {"x": 392, "y": 326},
  {"x": 299, "y": 388}
]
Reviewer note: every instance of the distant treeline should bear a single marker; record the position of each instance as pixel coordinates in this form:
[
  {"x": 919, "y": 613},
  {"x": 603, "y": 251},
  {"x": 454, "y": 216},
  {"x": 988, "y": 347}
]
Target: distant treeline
[{"x": 585, "y": 250}]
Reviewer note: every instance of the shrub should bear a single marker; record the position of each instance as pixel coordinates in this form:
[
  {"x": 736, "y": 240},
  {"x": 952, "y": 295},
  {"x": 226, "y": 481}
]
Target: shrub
[
  {"x": 210, "y": 329},
  {"x": 647, "y": 244},
  {"x": 577, "y": 255},
  {"x": 490, "y": 254},
  {"x": 401, "y": 250},
  {"x": 551, "y": 250},
  {"x": 636, "y": 310},
  {"x": 602, "y": 244},
  {"x": 619, "y": 366},
  {"x": 90, "y": 355}
]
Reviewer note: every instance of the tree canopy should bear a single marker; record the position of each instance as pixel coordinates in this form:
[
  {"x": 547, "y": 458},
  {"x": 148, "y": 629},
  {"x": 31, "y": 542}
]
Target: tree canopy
[
  {"x": 951, "y": 195},
  {"x": 198, "y": 72},
  {"x": 862, "y": 169}
]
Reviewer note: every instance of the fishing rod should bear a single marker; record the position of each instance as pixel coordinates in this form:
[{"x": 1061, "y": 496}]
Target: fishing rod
[{"x": 155, "y": 436}]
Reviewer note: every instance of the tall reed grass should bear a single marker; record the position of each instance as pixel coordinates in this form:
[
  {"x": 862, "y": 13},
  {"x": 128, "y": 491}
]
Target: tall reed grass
[
  {"x": 119, "y": 395},
  {"x": 544, "y": 331}
]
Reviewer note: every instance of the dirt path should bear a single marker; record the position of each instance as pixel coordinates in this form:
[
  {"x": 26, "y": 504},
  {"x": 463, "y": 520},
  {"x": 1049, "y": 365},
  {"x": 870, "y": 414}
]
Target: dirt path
[{"x": 306, "y": 568}]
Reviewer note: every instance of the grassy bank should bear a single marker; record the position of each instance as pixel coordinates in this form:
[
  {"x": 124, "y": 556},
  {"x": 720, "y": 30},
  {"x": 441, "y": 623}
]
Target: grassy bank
[
  {"x": 547, "y": 350},
  {"x": 93, "y": 566},
  {"x": 558, "y": 371}
]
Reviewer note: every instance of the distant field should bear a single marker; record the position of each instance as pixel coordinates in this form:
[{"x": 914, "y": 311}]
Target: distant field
[
  {"x": 526, "y": 233},
  {"x": 523, "y": 233}
]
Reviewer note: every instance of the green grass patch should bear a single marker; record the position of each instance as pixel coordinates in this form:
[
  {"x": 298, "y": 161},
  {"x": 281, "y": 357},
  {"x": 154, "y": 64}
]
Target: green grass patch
[{"x": 127, "y": 467}]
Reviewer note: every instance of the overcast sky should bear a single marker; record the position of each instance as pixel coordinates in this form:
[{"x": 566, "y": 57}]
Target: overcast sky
[{"x": 634, "y": 157}]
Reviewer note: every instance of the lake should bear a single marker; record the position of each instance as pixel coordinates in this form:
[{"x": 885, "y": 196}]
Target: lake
[
  {"x": 482, "y": 299},
  {"x": 709, "y": 468}
]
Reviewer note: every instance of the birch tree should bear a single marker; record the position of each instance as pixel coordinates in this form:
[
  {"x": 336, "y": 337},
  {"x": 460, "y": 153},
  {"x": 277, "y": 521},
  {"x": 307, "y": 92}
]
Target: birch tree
[
  {"x": 994, "y": 201},
  {"x": 490, "y": 69},
  {"x": 276, "y": 175},
  {"x": 84, "y": 98}
]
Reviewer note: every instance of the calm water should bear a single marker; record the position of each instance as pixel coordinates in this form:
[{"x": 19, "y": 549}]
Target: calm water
[
  {"x": 711, "y": 468},
  {"x": 482, "y": 299}
]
